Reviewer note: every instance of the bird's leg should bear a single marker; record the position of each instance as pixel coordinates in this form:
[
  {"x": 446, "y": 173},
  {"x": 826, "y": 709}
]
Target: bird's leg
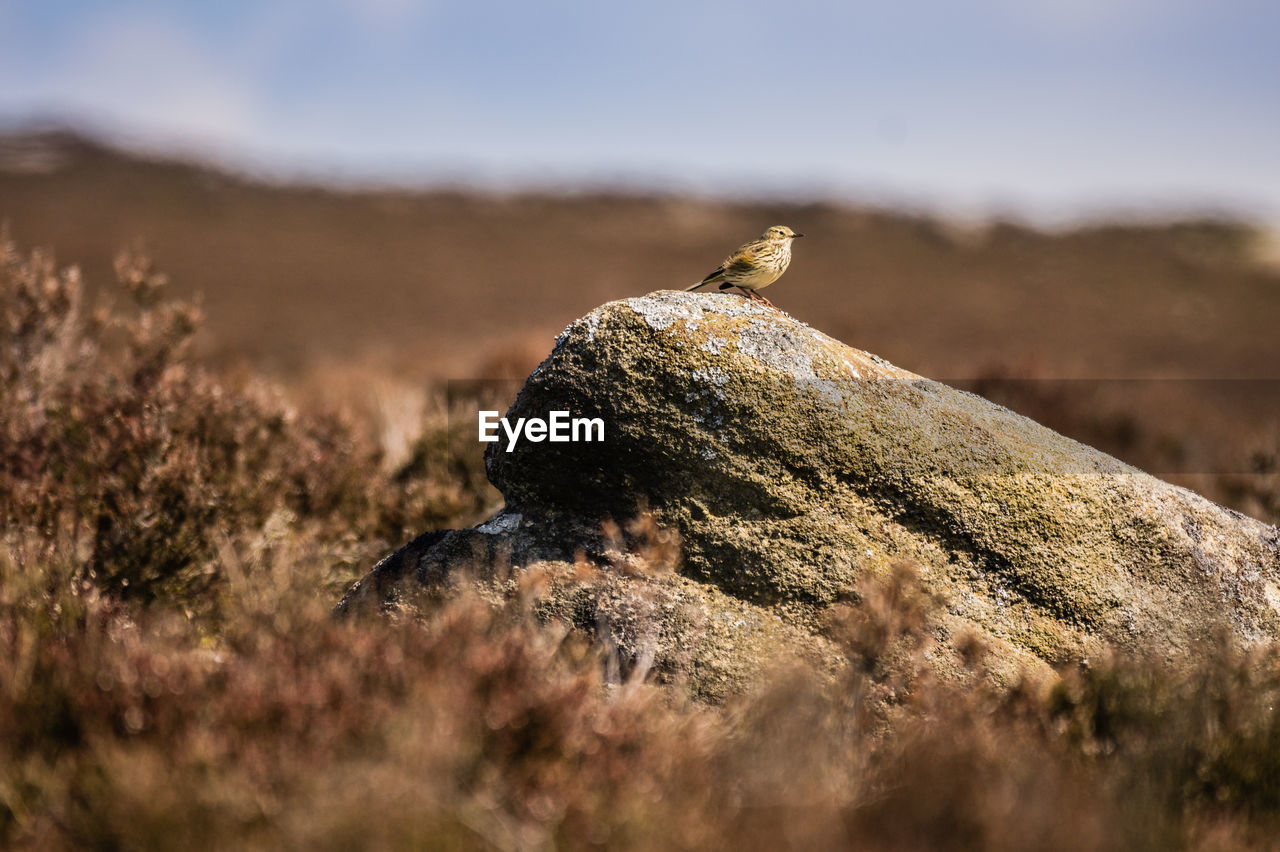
[{"x": 756, "y": 297}]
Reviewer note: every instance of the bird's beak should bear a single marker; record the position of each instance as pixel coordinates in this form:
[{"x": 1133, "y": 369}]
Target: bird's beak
[{"x": 793, "y": 236}]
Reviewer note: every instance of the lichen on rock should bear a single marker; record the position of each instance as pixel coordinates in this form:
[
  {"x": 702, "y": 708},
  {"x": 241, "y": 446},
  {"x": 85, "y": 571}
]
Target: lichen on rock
[{"x": 792, "y": 465}]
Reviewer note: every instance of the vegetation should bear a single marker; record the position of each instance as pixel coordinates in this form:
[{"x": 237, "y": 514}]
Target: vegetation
[{"x": 170, "y": 676}]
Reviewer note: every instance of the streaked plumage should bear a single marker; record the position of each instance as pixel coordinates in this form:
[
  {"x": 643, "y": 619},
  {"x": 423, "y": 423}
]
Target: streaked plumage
[{"x": 755, "y": 265}]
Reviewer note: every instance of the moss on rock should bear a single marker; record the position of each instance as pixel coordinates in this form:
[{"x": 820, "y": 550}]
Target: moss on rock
[{"x": 791, "y": 464}]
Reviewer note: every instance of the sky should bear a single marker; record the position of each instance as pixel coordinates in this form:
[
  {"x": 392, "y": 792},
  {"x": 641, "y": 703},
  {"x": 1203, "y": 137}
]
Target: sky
[{"x": 1046, "y": 109}]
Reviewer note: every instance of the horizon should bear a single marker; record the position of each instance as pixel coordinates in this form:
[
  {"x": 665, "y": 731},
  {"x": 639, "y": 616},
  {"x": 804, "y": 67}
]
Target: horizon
[
  {"x": 634, "y": 187},
  {"x": 1050, "y": 112}
]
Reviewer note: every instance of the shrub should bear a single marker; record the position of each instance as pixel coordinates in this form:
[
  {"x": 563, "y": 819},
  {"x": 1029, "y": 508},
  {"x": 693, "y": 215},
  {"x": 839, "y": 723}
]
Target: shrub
[
  {"x": 114, "y": 438},
  {"x": 170, "y": 675}
]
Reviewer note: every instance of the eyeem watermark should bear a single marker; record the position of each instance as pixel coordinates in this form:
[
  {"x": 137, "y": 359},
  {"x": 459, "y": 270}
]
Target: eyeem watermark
[{"x": 559, "y": 427}]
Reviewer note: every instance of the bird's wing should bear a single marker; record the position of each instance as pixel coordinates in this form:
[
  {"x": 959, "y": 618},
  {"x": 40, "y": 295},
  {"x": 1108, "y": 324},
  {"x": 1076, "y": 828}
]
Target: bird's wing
[
  {"x": 745, "y": 258},
  {"x": 741, "y": 261}
]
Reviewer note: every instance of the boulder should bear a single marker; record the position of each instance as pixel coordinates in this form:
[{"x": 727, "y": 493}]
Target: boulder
[{"x": 792, "y": 465}]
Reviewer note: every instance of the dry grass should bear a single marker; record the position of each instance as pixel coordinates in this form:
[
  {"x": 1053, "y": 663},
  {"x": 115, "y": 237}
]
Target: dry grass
[
  {"x": 344, "y": 290},
  {"x": 171, "y": 677},
  {"x": 117, "y": 442}
]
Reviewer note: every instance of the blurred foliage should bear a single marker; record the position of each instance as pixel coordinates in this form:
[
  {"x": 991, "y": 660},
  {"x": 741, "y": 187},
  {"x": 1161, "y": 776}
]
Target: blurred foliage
[
  {"x": 115, "y": 440},
  {"x": 171, "y": 676}
]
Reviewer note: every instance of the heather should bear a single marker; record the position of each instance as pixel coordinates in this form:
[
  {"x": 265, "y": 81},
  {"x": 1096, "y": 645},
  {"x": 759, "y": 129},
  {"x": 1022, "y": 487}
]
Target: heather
[{"x": 175, "y": 536}]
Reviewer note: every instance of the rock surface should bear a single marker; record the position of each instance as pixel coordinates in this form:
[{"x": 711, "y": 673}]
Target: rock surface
[{"x": 792, "y": 464}]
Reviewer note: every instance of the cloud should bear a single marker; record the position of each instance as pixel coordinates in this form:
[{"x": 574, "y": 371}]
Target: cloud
[{"x": 146, "y": 73}]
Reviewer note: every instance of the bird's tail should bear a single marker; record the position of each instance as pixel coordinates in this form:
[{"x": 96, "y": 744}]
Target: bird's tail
[{"x": 718, "y": 275}]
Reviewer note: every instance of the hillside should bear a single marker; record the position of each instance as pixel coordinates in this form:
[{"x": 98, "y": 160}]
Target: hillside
[
  {"x": 807, "y": 644},
  {"x": 290, "y": 273},
  {"x": 1165, "y": 332}
]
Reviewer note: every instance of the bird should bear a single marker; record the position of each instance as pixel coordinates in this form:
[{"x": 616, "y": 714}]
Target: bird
[{"x": 755, "y": 265}]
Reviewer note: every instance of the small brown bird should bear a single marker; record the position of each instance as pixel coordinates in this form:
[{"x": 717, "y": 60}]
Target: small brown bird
[{"x": 755, "y": 265}]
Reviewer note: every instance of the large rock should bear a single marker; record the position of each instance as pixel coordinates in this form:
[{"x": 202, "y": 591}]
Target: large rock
[{"x": 792, "y": 464}]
